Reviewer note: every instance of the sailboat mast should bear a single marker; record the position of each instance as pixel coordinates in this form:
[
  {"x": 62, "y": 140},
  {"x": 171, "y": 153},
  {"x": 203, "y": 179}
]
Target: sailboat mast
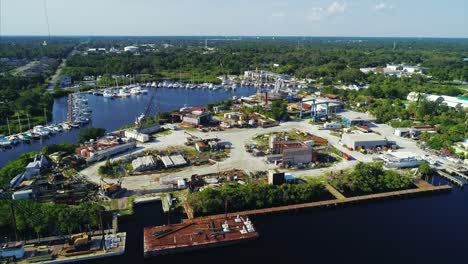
[
  {"x": 19, "y": 121},
  {"x": 45, "y": 118},
  {"x": 8, "y": 124},
  {"x": 29, "y": 124}
]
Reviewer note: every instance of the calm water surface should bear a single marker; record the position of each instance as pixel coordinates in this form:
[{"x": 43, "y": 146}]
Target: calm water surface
[
  {"x": 114, "y": 113},
  {"x": 427, "y": 229}
]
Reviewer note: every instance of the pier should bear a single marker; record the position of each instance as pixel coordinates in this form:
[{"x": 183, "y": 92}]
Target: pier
[
  {"x": 460, "y": 173},
  {"x": 334, "y": 192},
  {"x": 70, "y": 104},
  {"x": 423, "y": 187},
  {"x": 458, "y": 179}
]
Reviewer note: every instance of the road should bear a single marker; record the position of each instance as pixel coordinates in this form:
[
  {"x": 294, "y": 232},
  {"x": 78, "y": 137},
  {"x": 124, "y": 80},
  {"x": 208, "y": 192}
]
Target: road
[{"x": 56, "y": 75}]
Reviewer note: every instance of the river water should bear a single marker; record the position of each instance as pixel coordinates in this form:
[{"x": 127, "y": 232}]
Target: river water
[
  {"x": 425, "y": 229},
  {"x": 114, "y": 113},
  {"x": 428, "y": 229}
]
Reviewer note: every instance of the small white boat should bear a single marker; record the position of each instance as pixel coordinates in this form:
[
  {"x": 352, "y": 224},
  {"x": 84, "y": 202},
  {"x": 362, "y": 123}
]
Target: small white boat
[
  {"x": 123, "y": 93},
  {"x": 107, "y": 93},
  {"x": 135, "y": 90},
  {"x": 5, "y": 142}
]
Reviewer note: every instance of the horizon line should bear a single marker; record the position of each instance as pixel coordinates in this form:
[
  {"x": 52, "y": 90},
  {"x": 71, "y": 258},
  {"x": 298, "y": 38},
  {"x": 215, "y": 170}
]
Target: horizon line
[{"x": 238, "y": 36}]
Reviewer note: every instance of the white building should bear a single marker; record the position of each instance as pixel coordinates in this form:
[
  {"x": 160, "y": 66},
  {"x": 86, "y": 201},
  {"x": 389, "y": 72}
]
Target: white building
[
  {"x": 131, "y": 49},
  {"x": 451, "y": 101}
]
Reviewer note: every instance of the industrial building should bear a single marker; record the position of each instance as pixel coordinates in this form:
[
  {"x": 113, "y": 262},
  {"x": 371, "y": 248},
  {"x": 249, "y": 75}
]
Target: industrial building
[
  {"x": 144, "y": 163},
  {"x": 363, "y": 141},
  {"x": 351, "y": 118},
  {"x": 99, "y": 150},
  {"x": 173, "y": 161},
  {"x": 143, "y": 133},
  {"x": 196, "y": 119},
  {"x": 292, "y": 152}
]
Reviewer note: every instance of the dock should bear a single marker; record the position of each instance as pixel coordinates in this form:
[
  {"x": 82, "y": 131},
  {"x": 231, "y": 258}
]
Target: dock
[
  {"x": 453, "y": 179},
  {"x": 334, "y": 192},
  {"x": 167, "y": 204},
  {"x": 460, "y": 173},
  {"x": 423, "y": 187}
]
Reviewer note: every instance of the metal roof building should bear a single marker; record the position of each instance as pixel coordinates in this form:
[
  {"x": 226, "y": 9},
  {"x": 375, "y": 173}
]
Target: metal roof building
[{"x": 366, "y": 141}]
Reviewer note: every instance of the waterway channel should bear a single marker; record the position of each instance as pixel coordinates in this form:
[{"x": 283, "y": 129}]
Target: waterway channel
[
  {"x": 426, "y": 229},
  {"x": 114, "y": 113}
]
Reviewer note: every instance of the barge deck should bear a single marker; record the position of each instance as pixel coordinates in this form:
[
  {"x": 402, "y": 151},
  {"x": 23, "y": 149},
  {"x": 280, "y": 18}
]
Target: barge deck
[{"x": 196, "y": 235}]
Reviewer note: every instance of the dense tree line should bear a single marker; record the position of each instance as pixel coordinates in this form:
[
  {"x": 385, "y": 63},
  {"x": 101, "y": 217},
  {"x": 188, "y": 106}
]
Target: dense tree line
[
  {"x": 322, "y": 58},
  {"x": 253, "y": 196},
  {"x": 89, "y": 133},
  {"x": 44, "y": 219},
  {"x": 367, "y": 178}
]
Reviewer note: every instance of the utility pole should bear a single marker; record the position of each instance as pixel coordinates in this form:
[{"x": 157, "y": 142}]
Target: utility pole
[{"x": 13, "y": 218}]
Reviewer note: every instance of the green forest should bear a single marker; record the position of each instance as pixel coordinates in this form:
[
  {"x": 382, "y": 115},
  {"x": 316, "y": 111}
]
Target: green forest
[
  {"x": 254, "y": 196},
  {"x": 44, "y": 219},
  {"x": 368, "y": 178},
  {"x": 331, "y": 61}
]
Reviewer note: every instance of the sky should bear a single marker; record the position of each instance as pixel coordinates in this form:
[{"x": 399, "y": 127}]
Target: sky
[{"x": 365, "y": 18}]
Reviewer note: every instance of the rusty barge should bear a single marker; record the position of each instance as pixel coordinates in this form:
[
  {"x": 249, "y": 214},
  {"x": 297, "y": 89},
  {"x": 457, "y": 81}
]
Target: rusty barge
[{"x": 197, "y": 234}]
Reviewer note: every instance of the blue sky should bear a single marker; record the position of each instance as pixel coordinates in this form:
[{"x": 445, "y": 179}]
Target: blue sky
[{"x": 386, "y": 18}]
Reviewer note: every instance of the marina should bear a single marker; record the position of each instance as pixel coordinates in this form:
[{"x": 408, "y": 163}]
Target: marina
[{"x": 104, "y": 115}]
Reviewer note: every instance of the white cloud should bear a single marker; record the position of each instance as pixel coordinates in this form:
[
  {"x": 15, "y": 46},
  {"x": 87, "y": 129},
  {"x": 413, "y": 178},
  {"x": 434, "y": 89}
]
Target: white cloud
[
  {"x": 319, "y": 13},
  {"x": 384, "y": 6},
  {"x": 336, "y": 8}
]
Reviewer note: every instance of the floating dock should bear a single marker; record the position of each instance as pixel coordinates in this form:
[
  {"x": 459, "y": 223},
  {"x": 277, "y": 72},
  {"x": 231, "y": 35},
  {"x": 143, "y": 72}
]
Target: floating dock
[{"x": 197, "y": 234}]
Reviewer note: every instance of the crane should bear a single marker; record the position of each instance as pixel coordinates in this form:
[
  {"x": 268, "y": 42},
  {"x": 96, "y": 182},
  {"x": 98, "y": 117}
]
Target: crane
[{"x": 148, "y": 111}]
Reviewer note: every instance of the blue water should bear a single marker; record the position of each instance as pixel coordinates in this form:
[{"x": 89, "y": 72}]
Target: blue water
[
  {"x": 114, "y": 113},
  {"x": 426, "y": 229}
]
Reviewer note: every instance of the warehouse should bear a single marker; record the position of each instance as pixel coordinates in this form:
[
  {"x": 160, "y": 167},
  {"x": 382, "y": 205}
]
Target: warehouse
[
  {"x": 351, "y": 118},
  {"x": 364, "y": 141},
  {"x": 144, "y": 163}
]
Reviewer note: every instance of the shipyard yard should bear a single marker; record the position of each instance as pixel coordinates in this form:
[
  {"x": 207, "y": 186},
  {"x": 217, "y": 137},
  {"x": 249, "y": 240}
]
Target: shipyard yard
[{"x": 238, "y": 157}]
